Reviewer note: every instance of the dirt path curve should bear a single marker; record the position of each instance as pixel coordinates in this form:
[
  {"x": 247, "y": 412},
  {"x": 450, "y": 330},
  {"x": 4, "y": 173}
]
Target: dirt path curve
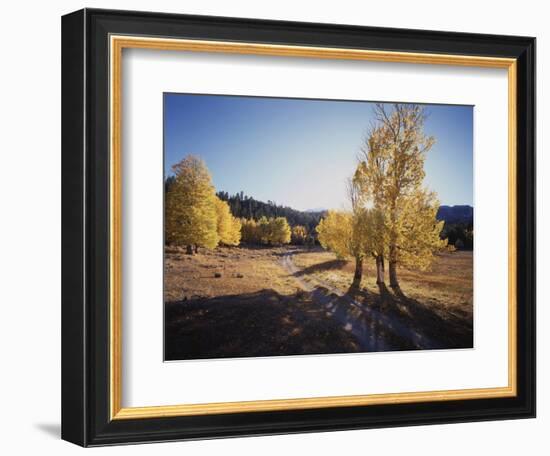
[{"x": 374, "y": 331}]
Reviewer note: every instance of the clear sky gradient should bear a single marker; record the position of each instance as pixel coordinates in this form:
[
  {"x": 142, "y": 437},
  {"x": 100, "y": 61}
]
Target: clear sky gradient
[{"x": 299, "y": 152}]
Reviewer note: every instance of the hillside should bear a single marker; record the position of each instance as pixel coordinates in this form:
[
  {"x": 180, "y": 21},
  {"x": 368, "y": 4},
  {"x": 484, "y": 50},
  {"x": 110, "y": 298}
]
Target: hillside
[
  {"x": 463, "y": 214},
  {"x": 244, "y": 206}
]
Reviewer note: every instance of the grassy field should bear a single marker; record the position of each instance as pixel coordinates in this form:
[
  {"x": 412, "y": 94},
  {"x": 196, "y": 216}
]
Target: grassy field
[
  {"x": 446, "y": 287},
  {"x": 234, "y": 302},
  {"x": 195, "y": 275}
]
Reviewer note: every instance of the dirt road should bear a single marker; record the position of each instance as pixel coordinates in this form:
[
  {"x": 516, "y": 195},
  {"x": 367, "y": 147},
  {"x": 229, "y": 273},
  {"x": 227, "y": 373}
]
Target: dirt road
[{"x": 374, "y": 330}]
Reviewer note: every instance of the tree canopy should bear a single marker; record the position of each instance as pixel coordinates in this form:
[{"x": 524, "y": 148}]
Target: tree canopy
[
  {"x": 191, "y": 217},
  {"x": 266, "y": 231},
  {"x": 390, "y": 175},
  {"x": 194, "y": 215},
  {"x": 335, "y": 232},
  {"x": 228, "y": 227}
]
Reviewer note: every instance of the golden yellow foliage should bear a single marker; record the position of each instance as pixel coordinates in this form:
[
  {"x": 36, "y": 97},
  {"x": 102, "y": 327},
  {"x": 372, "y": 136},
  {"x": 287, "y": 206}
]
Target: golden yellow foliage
[
  {"x": 390, "y": 178},
  {"x": 353, "y": 234},
  {"x": 190, "y": 206},
  {"x": 418, "y": 234},
  {"x": 249, "y": 231},
  {"x": 335, "y": 232},
  {"x": 299, "y": 234},
  {"x": 280, "y": 231},
  {"x": 235, "y": 237},
  {"x": 228, "y": 227},
  {"x": 267, "y": 231}
]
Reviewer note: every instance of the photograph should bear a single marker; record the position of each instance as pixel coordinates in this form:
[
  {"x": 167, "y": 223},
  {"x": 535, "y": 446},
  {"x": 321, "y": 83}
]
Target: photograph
[
  {"x": 284, "y": 224},
  {"x": 306, "y": 226}
]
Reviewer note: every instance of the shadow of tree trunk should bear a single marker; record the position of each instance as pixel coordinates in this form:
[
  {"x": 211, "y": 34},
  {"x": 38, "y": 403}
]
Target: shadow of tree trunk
[{"x": 447, "y": 329}]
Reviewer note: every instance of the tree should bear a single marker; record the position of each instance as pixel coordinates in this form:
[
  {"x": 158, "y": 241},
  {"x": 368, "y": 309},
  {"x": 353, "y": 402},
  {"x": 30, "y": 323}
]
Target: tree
[
  {"x": 235, "y": 237},
  {"x": 266, "y": 231},
  {"x": 419, "y": 234},
  {"x": 223, "y": 217},
  {"x": 190, "y": 210},
  {"x": 347, "y": 233},
  {"x": 342, "y": 233},
  {"x": 335, "y": 232},
  {"x": 359, "y": 230},
  {"x": 299, "y": 235},
  {"x": 228, "y": 227},
  {"x": 353, "y": 235},
  {"x": 390, "y": 175},
  {"x": 263, "y": 230},
  {"x": 249, "y": 231},
  {"x": 279, "y": 231},
  {"x": 374, "y": 235},
  {"x": 250, "y": 208}
]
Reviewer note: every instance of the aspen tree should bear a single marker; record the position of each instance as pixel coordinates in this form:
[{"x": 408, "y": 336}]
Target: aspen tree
[
  {"x": 249, "y": 231},
  {"x": 228, "y": 227},
  {"x": 335, "y": 232},
  {"x": 190, "y": 206},
  {"x": 299, "y": 234},
  {"x": 280, "y": 231},
  {"x": 391, "y": 175}
]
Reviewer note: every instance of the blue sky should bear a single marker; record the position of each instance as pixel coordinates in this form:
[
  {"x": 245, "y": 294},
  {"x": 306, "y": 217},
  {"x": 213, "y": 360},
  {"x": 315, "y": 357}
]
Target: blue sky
[{"x": 299, "y": 152}]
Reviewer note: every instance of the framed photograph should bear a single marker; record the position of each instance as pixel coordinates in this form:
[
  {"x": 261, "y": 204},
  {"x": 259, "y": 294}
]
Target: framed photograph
[{"x": 278, "y": 227}]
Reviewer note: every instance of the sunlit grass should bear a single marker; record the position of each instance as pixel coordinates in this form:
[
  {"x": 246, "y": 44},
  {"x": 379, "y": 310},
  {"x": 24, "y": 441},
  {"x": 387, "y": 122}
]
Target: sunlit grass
[{"x": 448, "y": 284}]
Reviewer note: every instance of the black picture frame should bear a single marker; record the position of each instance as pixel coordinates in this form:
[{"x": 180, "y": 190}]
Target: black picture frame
[{"x": 85, "y": 228}]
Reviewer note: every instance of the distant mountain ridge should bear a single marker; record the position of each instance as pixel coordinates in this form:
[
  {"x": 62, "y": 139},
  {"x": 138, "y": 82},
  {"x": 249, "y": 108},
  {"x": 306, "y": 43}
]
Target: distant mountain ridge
[{"x": 456, "y": 214}]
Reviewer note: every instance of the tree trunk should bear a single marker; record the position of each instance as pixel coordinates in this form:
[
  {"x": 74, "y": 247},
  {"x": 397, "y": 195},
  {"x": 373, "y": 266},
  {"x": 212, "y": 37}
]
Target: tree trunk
[
  {"x": 189, "y": 250},
  {"x": 393, "y": 266},
  {"x": 380, "y": 269},
  {"x": 358, "y": 271},
  {"x": 393, "y": 275}
]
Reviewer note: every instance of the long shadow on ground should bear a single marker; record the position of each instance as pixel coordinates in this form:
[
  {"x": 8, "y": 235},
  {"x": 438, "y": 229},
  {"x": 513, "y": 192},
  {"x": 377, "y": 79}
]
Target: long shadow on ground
[
  {"x": 319, "y": 321},
  {"x": 414, "y": 324},
  {"x": 320, "y": 267},
  {"x": 264, "y": 323},
  {"x": 446, "y": 329}
]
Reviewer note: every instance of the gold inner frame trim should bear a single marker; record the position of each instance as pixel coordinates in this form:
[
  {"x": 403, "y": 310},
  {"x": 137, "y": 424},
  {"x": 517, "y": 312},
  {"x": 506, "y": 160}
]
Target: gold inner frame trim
[{"x": 117, "y": 44}]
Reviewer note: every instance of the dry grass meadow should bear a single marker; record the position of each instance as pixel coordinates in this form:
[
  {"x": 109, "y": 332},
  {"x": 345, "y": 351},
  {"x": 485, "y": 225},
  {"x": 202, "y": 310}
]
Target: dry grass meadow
[{"x": 240, "y": 301}]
